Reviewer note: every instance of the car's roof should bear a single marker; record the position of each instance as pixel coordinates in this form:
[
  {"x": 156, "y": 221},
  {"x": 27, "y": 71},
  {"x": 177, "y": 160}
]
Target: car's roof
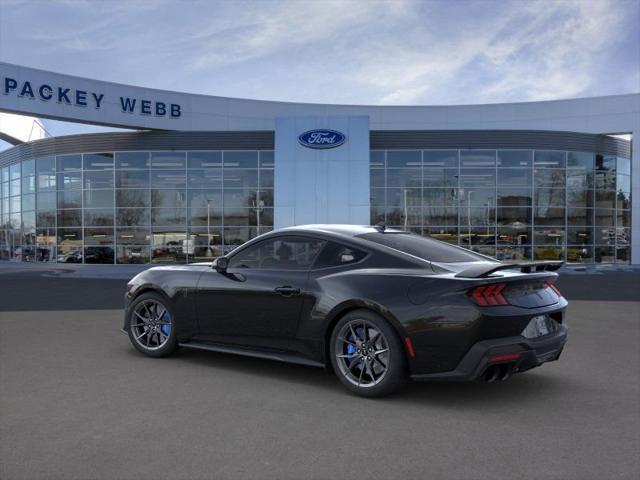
[{"x": 338, "y": 229}]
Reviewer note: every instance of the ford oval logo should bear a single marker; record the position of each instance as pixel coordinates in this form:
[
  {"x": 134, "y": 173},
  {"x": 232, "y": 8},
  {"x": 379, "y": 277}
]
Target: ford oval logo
[{"x": 322, "y": 138}]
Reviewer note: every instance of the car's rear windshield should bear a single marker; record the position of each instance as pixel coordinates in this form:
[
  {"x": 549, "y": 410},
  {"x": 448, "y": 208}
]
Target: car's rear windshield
[{"x": 422, "y": 247}]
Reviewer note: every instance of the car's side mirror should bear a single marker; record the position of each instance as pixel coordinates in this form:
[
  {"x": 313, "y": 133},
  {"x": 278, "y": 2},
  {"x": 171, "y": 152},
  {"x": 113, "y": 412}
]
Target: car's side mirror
[{"x": 221, "y": 265}]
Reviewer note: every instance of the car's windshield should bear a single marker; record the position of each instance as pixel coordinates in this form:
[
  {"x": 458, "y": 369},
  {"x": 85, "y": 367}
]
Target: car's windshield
[{"x": 423, "y": 247}]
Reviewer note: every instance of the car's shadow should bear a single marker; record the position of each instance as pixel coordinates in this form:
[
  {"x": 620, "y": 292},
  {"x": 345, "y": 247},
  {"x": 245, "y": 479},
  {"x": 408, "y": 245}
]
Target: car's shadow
[{"x": 521, "y": 389}]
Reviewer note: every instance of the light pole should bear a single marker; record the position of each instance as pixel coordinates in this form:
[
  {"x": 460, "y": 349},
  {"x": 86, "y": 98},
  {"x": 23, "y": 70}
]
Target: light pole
[
  {"x": 469, "y": 217},
  {"x": 405, "y": 191},
  {"x": 259, "y": 206},
  {"x": 488, "y": 214},
  {"x": 209, "y": 228},
  {"x": 208, "y": 219}
]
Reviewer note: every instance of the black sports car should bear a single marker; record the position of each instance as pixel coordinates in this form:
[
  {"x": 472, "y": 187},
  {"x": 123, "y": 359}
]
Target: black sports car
[{"x": 375, "y": 305}]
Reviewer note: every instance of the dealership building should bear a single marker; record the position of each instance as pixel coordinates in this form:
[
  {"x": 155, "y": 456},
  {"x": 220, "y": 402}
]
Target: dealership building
[{"x": 198, "y": 175}]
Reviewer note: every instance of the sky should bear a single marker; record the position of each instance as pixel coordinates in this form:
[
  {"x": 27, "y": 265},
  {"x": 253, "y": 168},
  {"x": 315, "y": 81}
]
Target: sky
[{"x": 396, "y": 52}]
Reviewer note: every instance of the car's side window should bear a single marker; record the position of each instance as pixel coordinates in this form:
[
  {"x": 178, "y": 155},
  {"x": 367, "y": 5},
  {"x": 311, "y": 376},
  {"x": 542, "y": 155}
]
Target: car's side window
[
  {"x": 335, "y": 254},
  {"x": 280, "y": 253}
]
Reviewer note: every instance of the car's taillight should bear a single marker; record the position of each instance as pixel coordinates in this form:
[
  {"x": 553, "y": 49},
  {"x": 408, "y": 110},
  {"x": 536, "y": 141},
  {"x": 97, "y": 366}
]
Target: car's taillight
[
  {"x": 489, "y": 295},
  {"x": 550, "y": 284}
]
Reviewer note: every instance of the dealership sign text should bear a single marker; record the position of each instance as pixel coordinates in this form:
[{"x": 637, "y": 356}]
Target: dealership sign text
[{"x": 82, "y": 98}]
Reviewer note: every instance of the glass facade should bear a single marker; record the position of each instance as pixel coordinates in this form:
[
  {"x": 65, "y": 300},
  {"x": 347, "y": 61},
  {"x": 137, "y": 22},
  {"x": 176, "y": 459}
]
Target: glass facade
[
  {"x": 187, "y": 206},
  {"x": 134, "y": 207},
  {"x": 515, "y": 205}
]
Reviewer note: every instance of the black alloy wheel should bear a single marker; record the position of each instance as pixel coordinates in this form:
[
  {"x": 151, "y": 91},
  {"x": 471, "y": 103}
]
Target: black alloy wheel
[
  {"x": 367, "y": 355},
  {"x": 151, "y": 325}
]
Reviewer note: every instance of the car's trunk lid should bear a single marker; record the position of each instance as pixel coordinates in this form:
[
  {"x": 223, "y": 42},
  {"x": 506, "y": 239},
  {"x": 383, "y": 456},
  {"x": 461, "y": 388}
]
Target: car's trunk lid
[{"x": 525, "y": 285}]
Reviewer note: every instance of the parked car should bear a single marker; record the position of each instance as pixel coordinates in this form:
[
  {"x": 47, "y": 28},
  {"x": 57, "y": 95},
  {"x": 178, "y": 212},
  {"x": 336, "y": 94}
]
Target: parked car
[
  {"x": 377, "y": 306},
  {"x": 98, "y": 255},
  {"x": 72, "y": 256}
]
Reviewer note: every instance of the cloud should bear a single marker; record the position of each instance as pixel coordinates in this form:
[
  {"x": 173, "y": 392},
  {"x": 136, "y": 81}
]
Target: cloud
[
  {"x": 554, "y": 54},
  {"x": 337, "y": 51},
  {"x": 531, "y": 51},
  {"x": 287, "y": 26},
  {"x": 404, "y": 95}
]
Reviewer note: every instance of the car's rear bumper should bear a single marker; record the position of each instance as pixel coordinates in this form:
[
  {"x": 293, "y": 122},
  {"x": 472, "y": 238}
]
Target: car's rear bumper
[{"x": 499, "y": 358}]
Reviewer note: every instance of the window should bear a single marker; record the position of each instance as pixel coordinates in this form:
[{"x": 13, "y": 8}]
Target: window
[
  {"x": 132, "y": 216},
  {"x": 336, "y": 255},
  {"x": 132, "y": 160},
  {"x": 266, "y": 159},
  {"x": 168, "y": 160},
  {"x": 98, "y": 161},
  {"x": 29, "y": 167},
  {"x": 205, "y": 178},
  {"x": 204, "y": 159},
  {"x": 98, "y": 179},
  {"x": 421, "y": 247},
  {"x": 477, "y": 158},
  {"x": 281, "y": 253},
  {"x": 553, "y": 178},
  {"x": 28, "y": 184},
  {"x": 98, "y": 198},
  {"x": 549, "y": 159},
  {"x": 477, "y": 177},
  {"x": 439, "y": 177},
  {"x": 404, "y": 159},
  {"x": 43, "y": 165},
  {"x": 514, "y": 176},
  {"x": 377, "y": 159},
  {"x": 266, "y": 179},
  {"x": 240, "y": 178},
  {"x": 132, "y": 198},
  {"x": 71, "y": 199},
  {"x": 514, "y": 158},
  {"x": 240, "y": 159},
  {"x": 582, "y": 160},
  {"x": 96, "y": 217},
  {"x": 132, "y": 179},
  {"x": 168, "y": 179},
  {"x": 69, "y": 162},
  {"x": 404, "y": 177},
  {"x": 440, "y": 158}
]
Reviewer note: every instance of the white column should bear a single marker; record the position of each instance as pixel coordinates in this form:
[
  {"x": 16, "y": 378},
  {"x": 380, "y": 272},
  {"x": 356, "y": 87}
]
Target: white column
[
  {"x": 321, "y": 186},
  {"x": 635, "y": 198}
]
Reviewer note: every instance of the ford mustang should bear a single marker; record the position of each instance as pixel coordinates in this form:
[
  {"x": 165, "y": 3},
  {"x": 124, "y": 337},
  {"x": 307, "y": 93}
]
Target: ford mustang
[{"x": 375, "y": 305}]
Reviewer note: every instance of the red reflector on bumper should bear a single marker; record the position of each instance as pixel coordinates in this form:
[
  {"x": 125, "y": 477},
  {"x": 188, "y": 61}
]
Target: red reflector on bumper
[
  {"x": 409, "y": 343},
  {"x": 509, "y": 356}
]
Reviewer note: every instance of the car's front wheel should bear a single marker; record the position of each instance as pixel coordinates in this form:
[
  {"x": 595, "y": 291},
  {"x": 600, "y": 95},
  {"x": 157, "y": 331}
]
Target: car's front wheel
[
  {"x": 151, "y": 325},
  {"x": 367, "y": 355}
]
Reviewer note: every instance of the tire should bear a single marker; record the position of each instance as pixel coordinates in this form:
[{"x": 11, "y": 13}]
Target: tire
[
  {"x": 374, "y": 364},
  {"x": 151, "y": 312}
]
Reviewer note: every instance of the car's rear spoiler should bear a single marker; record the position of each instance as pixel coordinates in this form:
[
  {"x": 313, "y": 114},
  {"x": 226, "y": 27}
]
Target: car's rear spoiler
[{"x": 486, "y": 269}]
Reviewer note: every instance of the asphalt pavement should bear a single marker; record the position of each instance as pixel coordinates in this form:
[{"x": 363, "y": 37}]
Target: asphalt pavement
[{"x": 78, "y": 402}]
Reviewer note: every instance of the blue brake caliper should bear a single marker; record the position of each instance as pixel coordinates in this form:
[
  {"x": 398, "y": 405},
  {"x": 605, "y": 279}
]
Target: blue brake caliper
[
  {"x": 351, "y": 347},
  {"x": 166, "y": 329}
]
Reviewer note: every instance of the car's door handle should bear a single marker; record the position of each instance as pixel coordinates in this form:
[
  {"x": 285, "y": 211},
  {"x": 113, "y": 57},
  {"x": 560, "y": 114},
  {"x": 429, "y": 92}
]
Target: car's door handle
[{"x": 287, "y": 290}]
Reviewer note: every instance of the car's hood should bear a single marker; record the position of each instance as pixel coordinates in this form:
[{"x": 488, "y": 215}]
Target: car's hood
[{"x": 189, "y": 266}]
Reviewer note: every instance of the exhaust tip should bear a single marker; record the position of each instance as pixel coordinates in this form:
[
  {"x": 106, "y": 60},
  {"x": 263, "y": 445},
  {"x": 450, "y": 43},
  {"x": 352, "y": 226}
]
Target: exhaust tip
[
  {"x": 498, "y": 372},
  {"x": 491, "y": 374},
  {"x": 507, "y": 371}
]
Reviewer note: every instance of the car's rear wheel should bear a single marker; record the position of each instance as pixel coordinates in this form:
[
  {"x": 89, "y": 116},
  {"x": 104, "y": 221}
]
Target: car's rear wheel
[
  {"x": 151, "y": 325},
  {"x": 367, "y": 355}
]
